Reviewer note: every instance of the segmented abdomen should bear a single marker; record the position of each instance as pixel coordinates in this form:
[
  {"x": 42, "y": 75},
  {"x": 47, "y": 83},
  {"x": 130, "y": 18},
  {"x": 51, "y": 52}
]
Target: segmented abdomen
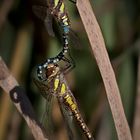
[
  {"x": 71, "y": 103},
  {"x": 66, "y": 97},
  {"x": 82, "y": 124},
  {"x": 57, "y": 8}
]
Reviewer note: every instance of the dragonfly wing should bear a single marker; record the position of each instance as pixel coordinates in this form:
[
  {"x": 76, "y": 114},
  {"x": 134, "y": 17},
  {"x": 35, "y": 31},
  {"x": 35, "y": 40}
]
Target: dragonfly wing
[
  {"x": 47, "y": 115},
  {"x": 43, "y": 88},
  {"x": 48, "y": 24},
  {"x": 68, "y": 118},
  {"x": 47, "y": 118},
  {"x": 44, "y": 14},
  {"x": 75, "y": 40},
  {"x": 40, "y": 11}
]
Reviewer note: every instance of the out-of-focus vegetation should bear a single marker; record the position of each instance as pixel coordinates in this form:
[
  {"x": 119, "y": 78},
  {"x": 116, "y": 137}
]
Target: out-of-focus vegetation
[{"x": 24, "y": 43}]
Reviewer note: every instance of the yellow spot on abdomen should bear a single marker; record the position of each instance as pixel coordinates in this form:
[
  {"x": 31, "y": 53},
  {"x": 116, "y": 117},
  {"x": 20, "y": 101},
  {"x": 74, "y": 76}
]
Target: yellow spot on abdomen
[
  {"x": 73, "y": 106},
  {"x": 64, "y": 16},
  {"x": 70, "y": 102},
  {"x": 66, "y": 23},
  {"x": 63, "y": 88},
  {"x": 56, "y": 83},
  {"x": 65, "y": 20}
]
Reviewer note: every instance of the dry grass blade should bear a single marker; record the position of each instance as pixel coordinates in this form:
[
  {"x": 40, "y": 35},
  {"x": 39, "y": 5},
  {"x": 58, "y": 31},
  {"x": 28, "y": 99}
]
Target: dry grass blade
[
  {"x": 98, "y": 48},
  {"x": 18, "y": 97},
  {"x": 16, "y": 68}
]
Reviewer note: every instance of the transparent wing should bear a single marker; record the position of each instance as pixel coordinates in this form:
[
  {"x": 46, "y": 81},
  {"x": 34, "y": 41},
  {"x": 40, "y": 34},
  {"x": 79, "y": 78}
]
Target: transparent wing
[
  {"x": 43, "y": 13},
  {"x": 43, "y": 88},
  {"x": 47, "y": 115},
  {"x": 68, "y": 120},
  {"x": 48, "y": 24},
  {"x": 47, "y": 118},
  {"x": 75, "y": 40}
]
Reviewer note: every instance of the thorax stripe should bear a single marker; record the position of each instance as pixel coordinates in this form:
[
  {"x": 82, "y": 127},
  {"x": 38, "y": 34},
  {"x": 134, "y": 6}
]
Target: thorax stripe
[{"x": 56, "y": 83}]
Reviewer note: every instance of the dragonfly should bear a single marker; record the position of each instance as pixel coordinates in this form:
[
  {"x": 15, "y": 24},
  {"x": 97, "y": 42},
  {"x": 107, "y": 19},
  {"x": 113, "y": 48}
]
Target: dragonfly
[
  {"x": 56, "y": 86},
  {"x": 55, "y": 9}
]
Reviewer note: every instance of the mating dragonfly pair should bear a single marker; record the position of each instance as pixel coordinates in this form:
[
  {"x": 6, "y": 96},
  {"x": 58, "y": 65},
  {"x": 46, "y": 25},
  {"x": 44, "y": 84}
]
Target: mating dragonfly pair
[{"x": 51, "y": 80}]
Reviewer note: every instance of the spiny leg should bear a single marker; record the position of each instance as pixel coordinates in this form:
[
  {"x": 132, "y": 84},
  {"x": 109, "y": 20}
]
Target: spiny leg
[{"x": 70, "y": 64}]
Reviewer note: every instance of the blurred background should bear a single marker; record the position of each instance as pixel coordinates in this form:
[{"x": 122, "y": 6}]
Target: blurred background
[{"x": 25, "y": 43}]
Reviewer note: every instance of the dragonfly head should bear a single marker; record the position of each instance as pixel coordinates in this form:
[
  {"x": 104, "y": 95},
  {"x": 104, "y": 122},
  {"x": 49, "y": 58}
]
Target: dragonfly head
[
  {"x": 47, "y": 71},
  {"x": 52, "y": 70}
]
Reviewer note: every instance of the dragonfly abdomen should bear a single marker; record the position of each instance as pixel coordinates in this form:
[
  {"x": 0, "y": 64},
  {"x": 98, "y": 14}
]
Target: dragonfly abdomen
[
  {"x": 74, "y": 108},
  {"x": 57, "y": 8},
  {"x": 82, "y": 124}
]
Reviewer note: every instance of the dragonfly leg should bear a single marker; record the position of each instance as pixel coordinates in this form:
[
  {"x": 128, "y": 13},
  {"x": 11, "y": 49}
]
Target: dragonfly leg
[{"x": 70, "y": 64}]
